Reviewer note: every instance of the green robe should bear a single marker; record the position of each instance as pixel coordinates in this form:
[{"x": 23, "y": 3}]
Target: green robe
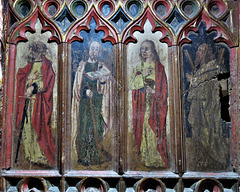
[{"x": 90, "y": 120}]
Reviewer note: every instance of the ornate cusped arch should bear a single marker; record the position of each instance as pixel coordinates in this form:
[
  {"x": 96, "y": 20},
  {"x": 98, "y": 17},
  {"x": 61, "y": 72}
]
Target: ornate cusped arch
[
  {"x": 18, "y": 34},
  {"x": 211, "y": 25},
  {"x": 139, "y": 26},
  {"x": 74, "y": 33}
]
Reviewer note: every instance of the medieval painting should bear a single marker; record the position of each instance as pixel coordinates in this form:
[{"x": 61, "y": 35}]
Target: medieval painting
[
  {"x": 148, "y": 127},
  {"x": 92, "y": 102},
  {"x": 206, "y": 101},
  {"x": 35, "y": 141}
]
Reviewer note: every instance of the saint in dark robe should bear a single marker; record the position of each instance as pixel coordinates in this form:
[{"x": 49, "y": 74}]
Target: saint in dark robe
[{"x": 211, "y": 143}]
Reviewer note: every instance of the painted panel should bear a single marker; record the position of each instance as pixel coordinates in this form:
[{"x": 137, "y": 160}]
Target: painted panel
[
  {"x": 148, "y": 114},
  {"x": 35, "y": 134},
  {"x": 92, "y": 102},
  {"x": 206, "y": 101}
]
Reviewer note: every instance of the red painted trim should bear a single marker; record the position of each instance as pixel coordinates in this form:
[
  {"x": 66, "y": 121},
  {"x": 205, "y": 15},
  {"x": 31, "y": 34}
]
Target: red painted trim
[
  {"x": 162, "y": 2},
  {"x": 10, "y": 105},
  {"x": 31, "y": 173},
  {"x": 139, "y": 26},
  {"x": 48, "y": 3},
  {"x": 110, "y": 33},
  {"x": 103, "y": 3},
  {"x": 222, "y": 6},
  {"x": 210, "y": 26},
  {"x": 3, "y": 148},
  {"x": 23, "y": 28}
]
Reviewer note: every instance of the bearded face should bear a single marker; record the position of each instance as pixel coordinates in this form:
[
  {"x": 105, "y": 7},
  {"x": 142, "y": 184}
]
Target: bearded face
[
  {"x": 37, "y": 51},
  {"x": 33, "y": 55},
  {"x": 201, "y": 55},
  {"x": 94, "y": 51}
]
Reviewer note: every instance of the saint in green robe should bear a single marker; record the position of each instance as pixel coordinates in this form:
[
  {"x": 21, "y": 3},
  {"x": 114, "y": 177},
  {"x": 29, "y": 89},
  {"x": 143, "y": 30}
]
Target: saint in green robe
[{"x": 91, "y": 123}]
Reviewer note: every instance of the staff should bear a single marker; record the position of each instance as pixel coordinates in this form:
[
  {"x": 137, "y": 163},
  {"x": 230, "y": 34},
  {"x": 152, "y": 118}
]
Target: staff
[{"x": 22, "y": 126}]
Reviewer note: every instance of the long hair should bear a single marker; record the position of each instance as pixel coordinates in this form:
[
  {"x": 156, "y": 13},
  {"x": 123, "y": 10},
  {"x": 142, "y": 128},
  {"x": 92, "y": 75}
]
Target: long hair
[{"x": 153, "y": 49}]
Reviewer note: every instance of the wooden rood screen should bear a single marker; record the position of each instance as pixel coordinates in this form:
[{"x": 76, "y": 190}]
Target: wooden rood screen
[{"x": 109, "y": 95}]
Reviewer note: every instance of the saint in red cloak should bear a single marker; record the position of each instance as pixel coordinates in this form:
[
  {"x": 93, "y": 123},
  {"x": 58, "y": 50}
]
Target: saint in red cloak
[
  {"x": 149, "y": 95},
  {"x": 42, "y": 97}
]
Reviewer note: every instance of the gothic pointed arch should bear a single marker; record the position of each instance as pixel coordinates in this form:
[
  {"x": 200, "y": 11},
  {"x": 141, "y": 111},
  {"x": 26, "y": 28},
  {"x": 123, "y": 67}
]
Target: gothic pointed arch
[
  {"x": 211, "y": 25},
  {"x": 102, "y": 25},
  {"x": 18, "y": 34},
  {"x": 138, "y": 25}
]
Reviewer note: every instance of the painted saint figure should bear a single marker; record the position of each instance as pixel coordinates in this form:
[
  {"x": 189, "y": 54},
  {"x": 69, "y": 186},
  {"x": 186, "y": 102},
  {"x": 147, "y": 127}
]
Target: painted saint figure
[
  {"x": 91, "y": 108},
  {"x": 149, "y": 103},
  {"x": 204, "y": 115},
  {"x": 35, "y": 84}
]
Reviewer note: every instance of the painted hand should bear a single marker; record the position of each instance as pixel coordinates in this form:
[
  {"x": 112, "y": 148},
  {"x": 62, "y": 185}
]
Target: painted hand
[
  {"x": 189, "y": 78},
  {"x": 89, "y": 93},
  {"x": 150, "y": 90},
  {"x": 147, "y": 71},
  {"x": 103, "y": 79},
  {"x": 28, "y": 92}
]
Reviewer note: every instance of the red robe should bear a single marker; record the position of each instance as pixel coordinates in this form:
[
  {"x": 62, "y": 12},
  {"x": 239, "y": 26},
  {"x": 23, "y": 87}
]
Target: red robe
[
  {"x": 157, "y": 120},
  {"x": 43, "y": 107}
]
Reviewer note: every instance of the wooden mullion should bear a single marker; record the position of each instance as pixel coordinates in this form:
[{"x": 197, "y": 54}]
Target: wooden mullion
[
  {"x": 175, "y": 99},
  {"x": 62, "y": 102}
]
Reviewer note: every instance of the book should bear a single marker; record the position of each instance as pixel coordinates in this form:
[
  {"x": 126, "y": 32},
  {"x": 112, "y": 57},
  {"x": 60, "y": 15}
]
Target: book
[{"x": 94, "y": 75}]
